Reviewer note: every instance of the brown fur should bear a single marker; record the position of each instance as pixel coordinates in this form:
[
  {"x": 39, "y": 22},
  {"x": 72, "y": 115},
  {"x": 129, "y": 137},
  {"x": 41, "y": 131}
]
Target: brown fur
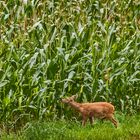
[{"x": 101, "y": 110}]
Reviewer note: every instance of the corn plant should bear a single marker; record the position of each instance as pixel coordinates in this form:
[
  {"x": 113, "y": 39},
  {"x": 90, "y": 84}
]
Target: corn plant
[{"x": 51, "y": 49}]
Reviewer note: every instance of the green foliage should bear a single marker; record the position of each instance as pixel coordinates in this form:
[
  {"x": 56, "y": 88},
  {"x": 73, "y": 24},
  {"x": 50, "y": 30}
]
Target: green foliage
[
  {"x": 129, "y": 129},
  {"x": 51, "y": 49}
]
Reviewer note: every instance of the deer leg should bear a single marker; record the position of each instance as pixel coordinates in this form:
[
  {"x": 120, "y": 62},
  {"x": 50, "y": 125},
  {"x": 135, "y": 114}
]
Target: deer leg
[
  {"x": 91, "y": 119},
  {"x": 84, "y": 119},
  {"x": 113, "y": 120}
]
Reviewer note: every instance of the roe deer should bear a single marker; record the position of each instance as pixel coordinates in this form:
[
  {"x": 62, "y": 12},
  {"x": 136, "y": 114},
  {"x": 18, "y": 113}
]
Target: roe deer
[{"x": 102, "y": 110}]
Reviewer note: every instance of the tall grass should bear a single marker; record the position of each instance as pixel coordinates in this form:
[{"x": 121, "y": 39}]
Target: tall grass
[{"x": 51, "y": 49}]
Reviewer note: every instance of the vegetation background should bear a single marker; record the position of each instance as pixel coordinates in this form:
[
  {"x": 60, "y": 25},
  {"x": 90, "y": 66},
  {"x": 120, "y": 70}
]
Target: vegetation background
[{"x": 50, "y": 49}]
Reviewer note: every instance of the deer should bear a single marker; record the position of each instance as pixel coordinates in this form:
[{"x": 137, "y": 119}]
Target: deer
[{"x": 100, "y": 110}]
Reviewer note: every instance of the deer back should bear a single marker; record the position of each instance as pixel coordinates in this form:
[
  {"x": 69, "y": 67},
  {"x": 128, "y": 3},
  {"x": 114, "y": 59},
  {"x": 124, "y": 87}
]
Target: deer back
[{"x": 98, "y": 109}]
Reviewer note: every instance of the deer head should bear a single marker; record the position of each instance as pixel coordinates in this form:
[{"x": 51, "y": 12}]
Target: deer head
[{"x": 69, "y": 99}]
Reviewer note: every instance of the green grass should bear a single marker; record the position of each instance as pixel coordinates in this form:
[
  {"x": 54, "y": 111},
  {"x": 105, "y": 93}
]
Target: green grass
[{"x": 129, "y": 129}]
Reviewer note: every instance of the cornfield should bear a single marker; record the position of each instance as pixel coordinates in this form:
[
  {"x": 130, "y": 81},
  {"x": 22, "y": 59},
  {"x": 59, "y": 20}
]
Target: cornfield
[{"x": 55, "y": 48}]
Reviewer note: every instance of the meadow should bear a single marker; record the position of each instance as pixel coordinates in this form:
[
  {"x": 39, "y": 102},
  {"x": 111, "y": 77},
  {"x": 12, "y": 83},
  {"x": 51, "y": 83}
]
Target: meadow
[
  {"x": 129, "y": 129},
  {"x": 51, "y": 49}
]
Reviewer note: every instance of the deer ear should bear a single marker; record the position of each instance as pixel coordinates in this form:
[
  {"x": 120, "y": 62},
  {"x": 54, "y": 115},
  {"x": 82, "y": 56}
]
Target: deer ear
[{"x": 74, "y": 97}]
